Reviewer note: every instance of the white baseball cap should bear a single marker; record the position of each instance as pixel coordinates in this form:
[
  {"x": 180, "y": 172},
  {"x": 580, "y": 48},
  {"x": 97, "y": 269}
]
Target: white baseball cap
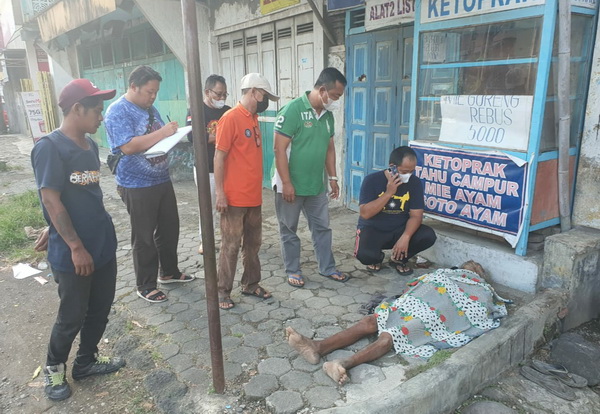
[{"x": 256, "y": 80}]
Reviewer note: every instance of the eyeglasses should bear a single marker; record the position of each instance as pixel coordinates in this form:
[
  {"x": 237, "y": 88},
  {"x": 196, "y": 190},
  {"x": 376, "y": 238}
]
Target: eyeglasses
[
  {"x": 223, "y": 95},
  {"x": 257, "y": 136}
]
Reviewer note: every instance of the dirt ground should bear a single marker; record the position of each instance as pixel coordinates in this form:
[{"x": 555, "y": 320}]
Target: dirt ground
[{"x": 27, "y": 312}]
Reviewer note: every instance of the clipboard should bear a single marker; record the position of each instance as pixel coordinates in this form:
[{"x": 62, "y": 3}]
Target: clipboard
[{"x": 166, "y": 144}]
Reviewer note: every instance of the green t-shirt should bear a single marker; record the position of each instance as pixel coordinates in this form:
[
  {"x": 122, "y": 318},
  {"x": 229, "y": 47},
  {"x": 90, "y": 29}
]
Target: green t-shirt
[{"x": 310, "y": 139}]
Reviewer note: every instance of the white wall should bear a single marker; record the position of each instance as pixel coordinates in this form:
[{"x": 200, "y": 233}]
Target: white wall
[
  {"x": 166, "y": 18},
  {"x": 336, "y": 59},
  {"x": 586, "y": 211}
]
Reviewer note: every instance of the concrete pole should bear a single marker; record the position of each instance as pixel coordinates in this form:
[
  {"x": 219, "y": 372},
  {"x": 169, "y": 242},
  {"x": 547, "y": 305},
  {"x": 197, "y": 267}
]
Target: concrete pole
[
  {"x": 564, "y": 112},
  {"x": 190, "y": 30}
]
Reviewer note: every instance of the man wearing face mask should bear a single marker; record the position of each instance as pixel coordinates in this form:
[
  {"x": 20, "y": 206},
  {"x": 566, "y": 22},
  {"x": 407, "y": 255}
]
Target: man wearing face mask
[
  {"x": 304, "y": 152},
  {"x": 238, "y": 181},
  {"x": 215, "y": 93},
  {"x": 391, "y": 215}
]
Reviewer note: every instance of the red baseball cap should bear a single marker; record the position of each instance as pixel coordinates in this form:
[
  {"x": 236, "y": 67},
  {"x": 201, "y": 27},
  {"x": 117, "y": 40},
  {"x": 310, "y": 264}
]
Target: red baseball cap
[{"x": 78, "y": 89}]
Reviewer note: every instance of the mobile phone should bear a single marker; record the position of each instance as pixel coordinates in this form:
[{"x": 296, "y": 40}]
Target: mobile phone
[{"x": 393, "y": 170}]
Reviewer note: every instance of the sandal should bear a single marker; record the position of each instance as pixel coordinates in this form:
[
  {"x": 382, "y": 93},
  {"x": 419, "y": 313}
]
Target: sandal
[
  {"x": 226, "y": 303},
  {"x": 298, "y": 278},
  {"x": 560, "y": 372},
  {"x": 341, "y": 277},
  {"x": 183, "y": 278},
  {"x": 259, "y": 292},
  {"x": 155, "y": 298},
  {"x": 549, "y": 382},
  {"x": 374, "y": 268},
  {"x": 402, "y": 269}
]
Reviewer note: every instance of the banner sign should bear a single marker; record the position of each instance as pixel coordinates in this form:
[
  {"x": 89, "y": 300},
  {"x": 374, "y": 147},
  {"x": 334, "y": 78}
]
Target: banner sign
[
  {"x": 497, "y": 121},
  {"x": 269, "y": 6},
  {"x": 35, "y": 117},
  {"x": 333, "y": 5},
  {"x": 381, "y": 13},
  {"x": 435, "y": 10},
  {"x": 485, "y": 191}
]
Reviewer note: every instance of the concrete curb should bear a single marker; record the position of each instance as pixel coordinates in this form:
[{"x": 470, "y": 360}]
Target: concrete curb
[{"x": 470, "y": 368}]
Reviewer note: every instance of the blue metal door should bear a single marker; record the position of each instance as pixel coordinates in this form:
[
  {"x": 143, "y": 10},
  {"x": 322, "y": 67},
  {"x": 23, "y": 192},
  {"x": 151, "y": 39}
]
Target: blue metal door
[{"x": 379, "y": 66}]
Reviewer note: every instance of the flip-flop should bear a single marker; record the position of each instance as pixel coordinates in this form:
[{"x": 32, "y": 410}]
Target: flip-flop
[
  {"x": 228, "y": 301},
  {"x": 398, "y": 265},
  {"x": 344, "y": 276},
  {"x": 297, "y": 278},
  {"x": 259, "y": 292},
  {"x": 183, "y": 278},
  {"x": 374, "y": 268},
  {"x": 145, "y": 294},
  {"x": 560, "y": 372},
  {"x": 549, "y": 382}
]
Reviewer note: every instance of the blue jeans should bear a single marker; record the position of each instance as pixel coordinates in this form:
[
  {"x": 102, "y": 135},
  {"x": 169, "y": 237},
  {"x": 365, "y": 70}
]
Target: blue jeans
[{"x": 85, "y": 302}]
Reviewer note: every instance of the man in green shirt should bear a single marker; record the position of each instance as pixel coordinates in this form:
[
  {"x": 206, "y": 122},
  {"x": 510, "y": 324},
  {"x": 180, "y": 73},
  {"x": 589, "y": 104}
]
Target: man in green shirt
[{"x": 304, "y": 151}]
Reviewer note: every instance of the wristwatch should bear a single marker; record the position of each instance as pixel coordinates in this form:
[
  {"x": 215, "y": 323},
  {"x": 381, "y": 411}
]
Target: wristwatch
[{"x": 334, "y": 178}]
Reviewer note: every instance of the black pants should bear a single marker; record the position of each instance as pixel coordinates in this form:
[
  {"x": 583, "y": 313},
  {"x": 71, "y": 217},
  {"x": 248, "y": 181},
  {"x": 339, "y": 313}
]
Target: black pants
[
  {"x": 85, "y": 302},
  {"x": 370, "y": 243},
  {"x": 154, "y": 232}
]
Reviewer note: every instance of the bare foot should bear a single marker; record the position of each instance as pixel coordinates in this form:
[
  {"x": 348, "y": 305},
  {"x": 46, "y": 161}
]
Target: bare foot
[
  {"x": 336, "y": 371},
  {"x": 303, "y": 345}
]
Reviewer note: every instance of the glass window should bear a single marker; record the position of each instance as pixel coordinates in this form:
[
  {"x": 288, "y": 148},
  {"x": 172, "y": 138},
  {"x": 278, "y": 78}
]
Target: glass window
[
  {"x": 122, "y": 52},
  {"x": 138, "y": 44},
  {"x": 581, "y": 44},
  {"x": 408, "y": 55},
  {"x": 107, "y": 55},
  {"x": 96, "y": 53},
  {"x": 84, "y": 58},
  {"x": 155, "y": 43},
  {"x": 475, "y": 60},
  {"x": 496, "y": 41},
  {"x": 517, "y": 79}
]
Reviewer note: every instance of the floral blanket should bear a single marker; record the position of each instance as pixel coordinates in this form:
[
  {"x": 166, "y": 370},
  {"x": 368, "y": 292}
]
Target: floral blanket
[{"x": 443, "y": 309}]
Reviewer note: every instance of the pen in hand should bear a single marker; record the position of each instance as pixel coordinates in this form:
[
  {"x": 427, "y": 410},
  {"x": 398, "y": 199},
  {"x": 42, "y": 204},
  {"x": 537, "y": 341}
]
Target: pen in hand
[{"x": 168, "y": 119}]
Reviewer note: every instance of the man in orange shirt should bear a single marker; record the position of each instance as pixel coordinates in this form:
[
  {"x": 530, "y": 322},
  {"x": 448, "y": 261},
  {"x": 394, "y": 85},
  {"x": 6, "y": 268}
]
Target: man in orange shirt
[{"x": 238, "y": 182}]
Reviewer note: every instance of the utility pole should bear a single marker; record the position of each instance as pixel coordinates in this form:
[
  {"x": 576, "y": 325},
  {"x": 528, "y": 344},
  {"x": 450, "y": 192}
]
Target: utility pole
[{"x": 190, "y": 29}]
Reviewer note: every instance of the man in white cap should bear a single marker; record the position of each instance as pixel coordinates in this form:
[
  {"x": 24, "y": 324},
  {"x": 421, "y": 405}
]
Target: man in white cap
[{"x": 238, "y": 182}]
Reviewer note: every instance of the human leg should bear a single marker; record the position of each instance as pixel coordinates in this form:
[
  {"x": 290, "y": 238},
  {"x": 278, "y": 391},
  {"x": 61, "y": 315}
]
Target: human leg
[
  {"x": 166, "y": 236},
  {"x": 102, "y": 293},
  {"x": 423, "y": 239},
  {"x": 369, "y": 245},
  {"x": 252, "y": 240},
  {"x": 338, "y": 368},
  {"x": 312, "y": 350},
  {"x": 215, "y": 215},
  {"x": 288, "y": 215},
  {"x": 200, "y": 249},
  {"x": 232, "y": 229},
  {"x": 142, "y": 206},
  {"x": 74, "y": 292},
  {"x": 316, "y": 211}
]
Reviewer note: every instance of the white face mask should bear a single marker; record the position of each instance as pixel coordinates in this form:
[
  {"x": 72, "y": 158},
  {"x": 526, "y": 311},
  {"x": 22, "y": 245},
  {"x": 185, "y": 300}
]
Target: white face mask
[
  {"x": 217, "y": 104},
  {"x": 331, "y": 105},
  {"x": 404, "y": 177}
]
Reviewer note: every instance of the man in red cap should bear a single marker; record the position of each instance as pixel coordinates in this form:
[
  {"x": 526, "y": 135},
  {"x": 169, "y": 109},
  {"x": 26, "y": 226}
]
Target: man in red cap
[{"x": 81, "y": 238}]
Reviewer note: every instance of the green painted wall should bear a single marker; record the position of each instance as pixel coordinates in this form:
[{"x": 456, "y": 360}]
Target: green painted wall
[{"x": 171, "y": 96}]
